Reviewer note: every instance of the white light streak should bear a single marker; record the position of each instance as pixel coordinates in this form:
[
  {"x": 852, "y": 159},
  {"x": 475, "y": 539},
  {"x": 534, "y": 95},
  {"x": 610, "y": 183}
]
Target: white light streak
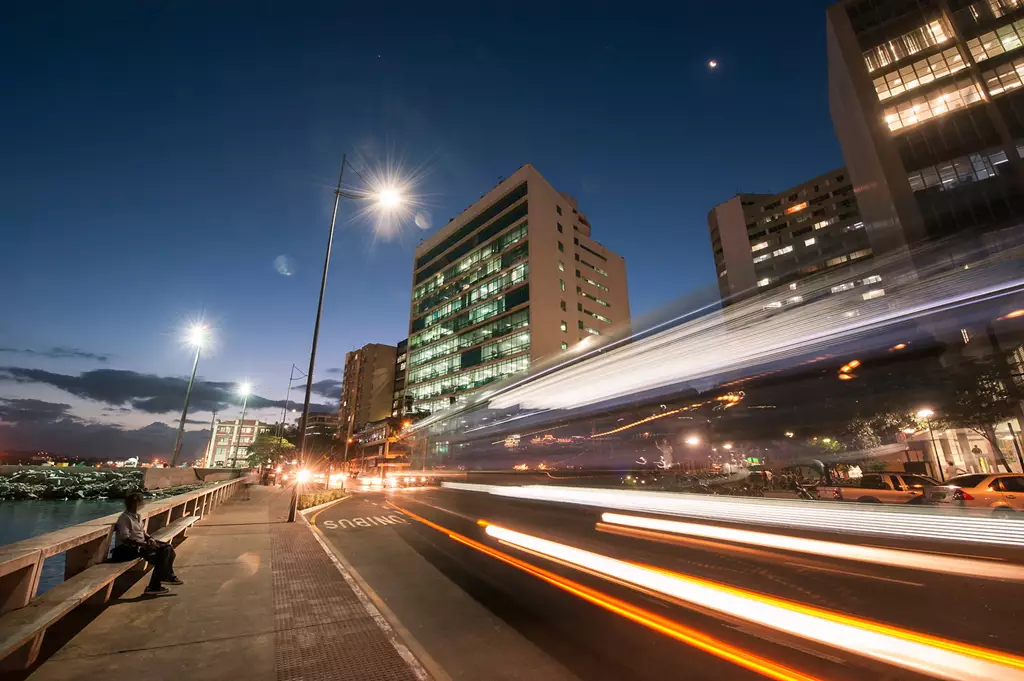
[
  {"x": 860, "y": 519},
  {"x": 910, "y": 651},
  {"x": 865, "y": 554}
]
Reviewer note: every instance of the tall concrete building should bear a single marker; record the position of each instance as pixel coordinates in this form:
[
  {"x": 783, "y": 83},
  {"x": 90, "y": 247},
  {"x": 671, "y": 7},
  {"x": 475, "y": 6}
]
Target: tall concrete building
[
  {"x": 762, "y": 241},
  {"x": 367, "y": 387},
  {"x": 400, "y": 405},
  {"x": 927, "y": 103},
  {"x": 514, "y": 278}
]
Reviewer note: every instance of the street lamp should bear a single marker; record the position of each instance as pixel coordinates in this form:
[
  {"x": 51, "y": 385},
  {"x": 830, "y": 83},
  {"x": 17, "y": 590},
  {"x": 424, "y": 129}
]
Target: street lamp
[
  {"x": 387, "y": 199},
  {"x": 243, "y": 392},
  {"x": 927, "y": 415},
  {"x": 196, "y": 337}
]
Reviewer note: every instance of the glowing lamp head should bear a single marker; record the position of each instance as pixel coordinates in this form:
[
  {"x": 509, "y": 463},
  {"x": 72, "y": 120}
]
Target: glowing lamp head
[
  {"x": 304, "y": 476},
  {"x": 197, "y": 335},
  {"x": 693, "y": 440},
  {"x": 925, "y": 413},
  {"x": 244, "y": 389},
  {"x": 389, "y": 198},
  {"x": 727, "y": 445}
]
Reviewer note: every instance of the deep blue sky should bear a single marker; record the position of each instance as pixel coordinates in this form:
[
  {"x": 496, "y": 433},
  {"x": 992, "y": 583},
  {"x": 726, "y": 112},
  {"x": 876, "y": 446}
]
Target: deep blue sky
[{"x": 158, "y": 156}]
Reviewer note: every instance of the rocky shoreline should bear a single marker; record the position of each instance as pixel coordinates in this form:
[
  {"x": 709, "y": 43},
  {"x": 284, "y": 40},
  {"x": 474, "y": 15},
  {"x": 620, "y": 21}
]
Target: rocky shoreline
[{"x": 69, "y": 483}]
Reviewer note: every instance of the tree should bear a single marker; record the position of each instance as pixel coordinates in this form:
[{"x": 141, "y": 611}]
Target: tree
[
  {"x": 268, "y": 449},
  {"x": 977, "y": 400}
]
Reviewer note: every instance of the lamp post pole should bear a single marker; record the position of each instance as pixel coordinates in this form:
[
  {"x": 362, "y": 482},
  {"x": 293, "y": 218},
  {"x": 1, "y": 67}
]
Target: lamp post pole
[
  {"x": 287, "y": 396},
  {"x": 316, "y": 335},
  {"x": 238, "y": 432},
  {"x": 935, "y": 451},
  {"x": 184, "y": 410}
]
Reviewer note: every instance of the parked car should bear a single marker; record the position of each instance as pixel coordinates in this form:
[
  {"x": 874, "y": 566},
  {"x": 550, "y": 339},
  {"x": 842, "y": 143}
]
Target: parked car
[
  {"x": 998, "y": 491},
  {"x": 888, "y": 488}
]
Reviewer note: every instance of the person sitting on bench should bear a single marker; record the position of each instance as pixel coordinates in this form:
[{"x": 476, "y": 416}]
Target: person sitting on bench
[{"x": 133, "y": 542}]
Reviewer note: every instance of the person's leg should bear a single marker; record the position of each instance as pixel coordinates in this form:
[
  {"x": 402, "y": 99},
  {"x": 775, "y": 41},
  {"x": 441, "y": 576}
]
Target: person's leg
[
  {"x": 168, "y": 558},
  {"x": 153, "y": 558}
]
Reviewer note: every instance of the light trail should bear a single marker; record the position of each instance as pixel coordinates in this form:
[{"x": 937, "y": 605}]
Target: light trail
[
  {"x": 922, "y": 653},
  {"x": 866, "y": 554},
  {"x": 820, "y": 516},
  {"x": 692, "y": 637},
  {"x": 742, "y": 336}
]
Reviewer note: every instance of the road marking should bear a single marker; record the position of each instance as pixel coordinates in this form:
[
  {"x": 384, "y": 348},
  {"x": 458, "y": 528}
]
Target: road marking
[
  {"x": 329, "y": 504},
  {"x": 367, "y": 521}
]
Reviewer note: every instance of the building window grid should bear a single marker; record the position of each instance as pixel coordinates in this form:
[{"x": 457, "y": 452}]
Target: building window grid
[
  {"x": 1004, "y": 77},
  {"x": 499, "y": 244},
  {"x": 451, "y": 325},
  {"x": 1000, "y": 41},
  {"x": 593, "y": 298},
  {"x": 910, "y": 43},
  {"x": 939, "y": 102},
  {"x": 470, "y": 379},
  {"x": 590, "y": 281},
  {"x": 593, "y": 267},
  {"x": 468, "y": 339},
  {"x": 514, "y": 277},
  {"x": 971, "y": 168},
  {"x": 919, "y": 73}
]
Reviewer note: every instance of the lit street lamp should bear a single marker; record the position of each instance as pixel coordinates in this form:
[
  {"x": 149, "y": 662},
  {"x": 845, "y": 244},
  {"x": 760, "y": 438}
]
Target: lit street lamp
[
  {"x": 927, "y": 415},
  {"x": 243, "y": 391},
  {"x": 387, "y": 199},
  {"x": 196, "y": 337}
]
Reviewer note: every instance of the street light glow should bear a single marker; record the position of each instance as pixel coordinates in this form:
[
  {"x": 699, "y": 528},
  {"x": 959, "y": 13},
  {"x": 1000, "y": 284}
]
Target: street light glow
[
  {"x": 925, "y": 413},
  {"x": 244, "y": 389},
  {"x": 727, "y": 445},
  {"x": 693, "y": 440},
  {"x": 197, "y": 335},
  {"x": 389, "y": 198}
]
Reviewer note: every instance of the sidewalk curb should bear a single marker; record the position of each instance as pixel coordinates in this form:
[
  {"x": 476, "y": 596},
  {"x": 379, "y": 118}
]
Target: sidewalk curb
[
  {"x": 410, "y": 650},
  {"x": 326, "y": 504}
]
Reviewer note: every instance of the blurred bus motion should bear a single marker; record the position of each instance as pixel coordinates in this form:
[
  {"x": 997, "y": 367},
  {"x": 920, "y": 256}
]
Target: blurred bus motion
[{"x": 909, "y": 364}]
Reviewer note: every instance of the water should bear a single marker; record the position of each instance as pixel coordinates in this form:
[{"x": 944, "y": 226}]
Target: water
[{"x": 25, "y": 519}]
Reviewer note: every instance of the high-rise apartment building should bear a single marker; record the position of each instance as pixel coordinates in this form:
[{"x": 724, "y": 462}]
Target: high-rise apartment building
[
  {"x": 367, "y": 388},
  {"x": 927, "y": 103},
  {"x": 229, "y": 445},
  {"x": 514, "y": 278},
  {"x": 400, "y": 404},
  {"x": 761, "y": 241}
]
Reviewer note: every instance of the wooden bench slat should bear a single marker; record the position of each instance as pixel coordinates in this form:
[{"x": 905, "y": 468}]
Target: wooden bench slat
[{"x": 19, "y": 626}]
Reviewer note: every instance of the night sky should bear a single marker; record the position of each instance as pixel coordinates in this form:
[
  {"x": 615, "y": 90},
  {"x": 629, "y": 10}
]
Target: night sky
[{"x": 160, "y": 157}]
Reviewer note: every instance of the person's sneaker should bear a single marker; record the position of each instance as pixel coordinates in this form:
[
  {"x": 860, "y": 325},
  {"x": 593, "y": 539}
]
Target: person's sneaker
[
  {"x": 152, "y": 590},
  {"x": 174, "y": 581}
]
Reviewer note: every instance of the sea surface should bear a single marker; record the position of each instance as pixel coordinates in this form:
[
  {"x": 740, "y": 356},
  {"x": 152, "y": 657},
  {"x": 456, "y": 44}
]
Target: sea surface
[{"x": 25, "y": 519}]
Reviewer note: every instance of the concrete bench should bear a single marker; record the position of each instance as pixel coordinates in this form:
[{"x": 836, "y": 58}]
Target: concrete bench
[{"x": 22, "y": 630}]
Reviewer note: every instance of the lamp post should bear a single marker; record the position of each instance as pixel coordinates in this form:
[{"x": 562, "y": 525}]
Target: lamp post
[
  {"x": 287, "y": 396},
  {"x": 386, "y": 198},
  {"x": 927, "y": 415},
  {"x": 243, "y": 390},
  {"x": 196, "y": 337}
]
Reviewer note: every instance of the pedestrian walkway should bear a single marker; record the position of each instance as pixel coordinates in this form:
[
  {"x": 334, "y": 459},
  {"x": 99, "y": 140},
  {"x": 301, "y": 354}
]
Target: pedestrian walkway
[{"x": 262, "y": 600}]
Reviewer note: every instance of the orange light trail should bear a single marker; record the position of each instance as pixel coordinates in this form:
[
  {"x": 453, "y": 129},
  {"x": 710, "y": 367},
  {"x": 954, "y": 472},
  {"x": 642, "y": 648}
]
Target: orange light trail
[{"x": 653, "y": 621}]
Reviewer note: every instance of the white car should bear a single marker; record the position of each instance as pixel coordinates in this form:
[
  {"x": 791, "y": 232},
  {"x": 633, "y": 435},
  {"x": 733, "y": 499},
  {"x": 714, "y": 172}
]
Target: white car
[{"x": 997, "y": 491}]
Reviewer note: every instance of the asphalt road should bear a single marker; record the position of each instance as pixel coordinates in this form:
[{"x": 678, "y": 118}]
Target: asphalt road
[{"x": 474, "y": 615}]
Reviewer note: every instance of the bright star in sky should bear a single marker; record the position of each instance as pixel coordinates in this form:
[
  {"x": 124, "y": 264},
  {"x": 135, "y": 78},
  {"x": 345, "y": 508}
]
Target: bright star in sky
[{"x": 712, "y": 64}]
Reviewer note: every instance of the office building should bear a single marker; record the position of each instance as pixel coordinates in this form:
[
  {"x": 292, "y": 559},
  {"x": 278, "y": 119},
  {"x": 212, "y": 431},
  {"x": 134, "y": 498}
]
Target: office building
[
  {"x": 927, "y": 103},
  {"x": 400, "y": 404},
  {"x": 762, "y": 241},
  {"x": 322, "y": 424},
  {"x": 516, "y": 277},
  {"x": 229, "y": 446},
  {"x": 367, "y": 388}
]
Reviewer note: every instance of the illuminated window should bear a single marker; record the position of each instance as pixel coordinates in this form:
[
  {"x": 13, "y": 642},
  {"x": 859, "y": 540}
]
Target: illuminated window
[
  {"x": 796, "y": 208},
  {"x": 774, "y": 305},
  {"x": 1000, "y": 41},
  {"x": 873, "y": 293},
  {"x": 762, "y": 258},
  {"x": 810, "y": 242},
  {"x": 561, "y": 266},
  {"x": 842, "y": 287},
  {"x": 590, "y": 297},
  {"x": 873, "y": 279},
  {"x": 919, "y": 73},
  {"x": 723, "y": 273},
  {"x": 1004, "y": 77},
  {"x": 564, "y": 327},
  {"x": 939, "y": 102},
  {"x": 764, "y": 282},
  {"x": 758, "y": 247},
  {"x": 565, "y": 346},
  {"x": 860, "y": 254},
  {"x": 836, "y": 261},
  {"x": 591, "y": 331},
  {"x": 1001, "y": 7},
  {"x": 905, "y": 45},
  {"x": 783, "y": 251},
  {"x": 561, "y": 284},
  {"x": 825, "y": 223}
]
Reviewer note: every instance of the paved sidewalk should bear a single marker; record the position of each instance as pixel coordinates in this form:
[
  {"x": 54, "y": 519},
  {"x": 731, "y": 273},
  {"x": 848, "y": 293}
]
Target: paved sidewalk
[{"x": 261, "y": 601}]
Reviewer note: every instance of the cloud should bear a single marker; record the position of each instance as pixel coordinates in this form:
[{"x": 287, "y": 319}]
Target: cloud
[
  {"x": 73, "y": 437},
  {"x": 33, "y": 411},
  {"x": 59, "y": 352},
  {"x": 329, "y": 388},
  {"x": 335, "y": 370},
  {"x": 148, "y": 393}
]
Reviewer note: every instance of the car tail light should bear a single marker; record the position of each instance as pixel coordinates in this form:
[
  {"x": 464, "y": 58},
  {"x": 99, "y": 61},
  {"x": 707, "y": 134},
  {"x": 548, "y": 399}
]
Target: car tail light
[{"x": 960, "y": 495}]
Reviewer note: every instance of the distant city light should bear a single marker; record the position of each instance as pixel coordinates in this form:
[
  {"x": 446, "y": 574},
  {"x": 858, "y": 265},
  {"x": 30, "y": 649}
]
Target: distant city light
[{"x": 790, "y": 433}]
